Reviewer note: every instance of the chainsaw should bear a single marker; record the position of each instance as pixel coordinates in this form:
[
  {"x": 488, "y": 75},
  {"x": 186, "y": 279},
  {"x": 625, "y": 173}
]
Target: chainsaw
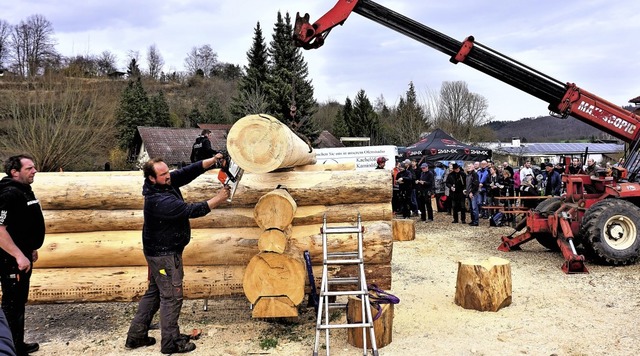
[{"x": 230, "y": 174}]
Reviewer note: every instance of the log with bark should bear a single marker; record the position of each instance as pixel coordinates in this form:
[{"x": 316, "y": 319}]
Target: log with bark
[
  {"x": 226, "y": 246},
  {"x": 261, "y": 144},
  {"x": 123, "y": 284},
  {"x": 484, "y": 285},
  {"x": 122, "y": 192}
]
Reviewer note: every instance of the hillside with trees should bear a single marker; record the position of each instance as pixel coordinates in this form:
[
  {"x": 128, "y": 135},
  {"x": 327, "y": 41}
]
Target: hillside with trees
[
  {"x": 76, "y": 113},
  {"x": 546, "y": 129}
]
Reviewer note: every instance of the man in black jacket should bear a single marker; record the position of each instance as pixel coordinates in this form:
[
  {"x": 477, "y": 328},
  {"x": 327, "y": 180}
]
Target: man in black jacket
[
  {"x": 472, "y": 190},
  {"x": 201, "y": 149},
  {"x": 165, "y": 233},
  {"x": 456, "y": 181},
  {"x": 425, "y": 186},
  {"x": 21, "y": 235}
]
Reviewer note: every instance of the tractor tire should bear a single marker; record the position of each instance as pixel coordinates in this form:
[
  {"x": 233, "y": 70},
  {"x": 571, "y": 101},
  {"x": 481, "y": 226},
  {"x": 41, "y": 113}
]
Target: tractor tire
[
  {"x": 546, "y": 208},
  {"x": 610, "y": 232}
]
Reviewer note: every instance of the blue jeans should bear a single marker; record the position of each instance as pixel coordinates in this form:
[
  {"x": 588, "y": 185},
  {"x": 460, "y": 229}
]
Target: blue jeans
[{"x": 475, "y": 204}]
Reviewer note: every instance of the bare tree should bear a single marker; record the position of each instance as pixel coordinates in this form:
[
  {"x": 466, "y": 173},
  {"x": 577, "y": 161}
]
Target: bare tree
[
  {"x": 106, "y": 63},
  {"x": 201, "y": 59},
  {"x": 33, "y": 45},
  {"x": 155, "y": 61},
  {"x": 458, "y": 111},
  {"x": 5, "y": 31},
  {"x": 57, "y": 123}
]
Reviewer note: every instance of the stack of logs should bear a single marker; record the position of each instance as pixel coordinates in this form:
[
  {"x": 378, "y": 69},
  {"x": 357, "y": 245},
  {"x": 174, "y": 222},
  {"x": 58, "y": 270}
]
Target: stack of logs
[{"x": 93, "y": 247}]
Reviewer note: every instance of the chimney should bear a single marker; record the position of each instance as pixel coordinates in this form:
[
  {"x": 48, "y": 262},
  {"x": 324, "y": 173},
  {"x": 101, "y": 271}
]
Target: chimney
[{"x": 515, "y": 141}]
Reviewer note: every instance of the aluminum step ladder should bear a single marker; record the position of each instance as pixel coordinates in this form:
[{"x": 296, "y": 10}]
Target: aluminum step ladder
[{"x": 359, "y": 287}]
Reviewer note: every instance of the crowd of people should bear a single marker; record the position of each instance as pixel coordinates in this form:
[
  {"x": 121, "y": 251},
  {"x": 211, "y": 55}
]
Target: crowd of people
[{"x": 475, "y": 190}]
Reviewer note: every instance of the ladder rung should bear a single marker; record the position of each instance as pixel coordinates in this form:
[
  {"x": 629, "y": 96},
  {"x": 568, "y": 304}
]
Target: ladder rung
[
  {"x": 342, "y": 254},
  {"x": 341, "y": 229},
  {"x": 337, "y": 305},
  {"x": 344, "y": 326},
  {"x": 345, "y": 292},
  {"x": 343, "y": 262},
  {"x": 343, "y": 280}
]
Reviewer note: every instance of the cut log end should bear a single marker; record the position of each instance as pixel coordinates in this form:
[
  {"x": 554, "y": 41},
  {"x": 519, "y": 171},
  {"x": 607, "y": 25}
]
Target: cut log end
[
  {"x": 404, "y": 229},
  {"x": 484, "y": 285}
]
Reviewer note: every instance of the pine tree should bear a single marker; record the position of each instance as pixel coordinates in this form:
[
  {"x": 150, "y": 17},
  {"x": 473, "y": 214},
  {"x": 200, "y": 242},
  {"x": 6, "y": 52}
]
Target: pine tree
[
  {"x": 365, "y": 118},
  {"x": 194, "y": 117},
  {"x": 213, "y": 113},
  {"x": 133, "y": 70},
  {"x": 340, "y": 128},
  {"x": 411, "y": 117},
  {"x": 347, "y": 117},
  {"x": 250, "y": 98},
  {"x": 289, "y": 91},
  {"x": 159, "y": 111},
  {"x": 134, "y": 111}
]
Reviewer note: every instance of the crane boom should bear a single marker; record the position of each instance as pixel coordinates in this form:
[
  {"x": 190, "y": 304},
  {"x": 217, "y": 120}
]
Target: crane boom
[{"x": 565, "y": 99}]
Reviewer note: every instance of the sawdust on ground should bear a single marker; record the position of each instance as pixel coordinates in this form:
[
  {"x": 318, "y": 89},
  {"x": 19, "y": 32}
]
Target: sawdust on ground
[{"x": 552, "y": 313}]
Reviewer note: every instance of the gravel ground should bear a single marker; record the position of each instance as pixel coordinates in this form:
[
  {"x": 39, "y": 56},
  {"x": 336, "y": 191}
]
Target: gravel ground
[{"x": 552, "y": 313}]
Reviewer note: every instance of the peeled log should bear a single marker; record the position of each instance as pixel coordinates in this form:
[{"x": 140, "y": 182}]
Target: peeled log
[
  {"x": 274, "y": 307},
  {"x": 261, "y": 144},
  {"x": 123, "y": 284},
  {"x": 228, "y": 246},
  {"x": 273, "y": 240},
  {"x": 275, "y": 210},
  {"x": 115, "y": 192},
  {"x": 484, "y": 286},
  {"x": 403, "y": 229},
  {"x": 271, "y": 274},
  {"x": 85, "y": 220}
]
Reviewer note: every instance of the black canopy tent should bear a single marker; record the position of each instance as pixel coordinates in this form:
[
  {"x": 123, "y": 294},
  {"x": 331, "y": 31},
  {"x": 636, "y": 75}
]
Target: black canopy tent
[{"x": 439, "y": 146}]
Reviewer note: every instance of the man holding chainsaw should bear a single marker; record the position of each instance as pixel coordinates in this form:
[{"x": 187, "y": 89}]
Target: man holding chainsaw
[{"x": 165, "y": 233}]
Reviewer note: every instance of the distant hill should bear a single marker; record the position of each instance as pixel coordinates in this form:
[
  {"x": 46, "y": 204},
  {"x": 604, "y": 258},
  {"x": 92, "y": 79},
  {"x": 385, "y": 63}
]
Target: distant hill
[{"x": 546, "y": 129}]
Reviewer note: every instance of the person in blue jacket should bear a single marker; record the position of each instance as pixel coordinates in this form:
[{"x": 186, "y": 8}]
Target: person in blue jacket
[
  {"x": 165, "y": 233},
  {"x": 553, "y": 182}
]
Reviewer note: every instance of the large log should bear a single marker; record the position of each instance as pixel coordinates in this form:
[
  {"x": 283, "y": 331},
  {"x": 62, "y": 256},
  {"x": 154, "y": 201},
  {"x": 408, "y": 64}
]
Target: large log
[
  {"x": 275, "y": 210},
  {"x": 274, "y": 307},
  {"x": 261, "y": 144},
  {"x": 114, "y": 192},
  {"x": 86, "y": 220},
  {"x": 485, "y": 285},
  {"x": 123, "y": 284},
  {"x": 403, "y": 229},
  {"x": 270, "y": 274},
  {"x": 228, "y": 246}
]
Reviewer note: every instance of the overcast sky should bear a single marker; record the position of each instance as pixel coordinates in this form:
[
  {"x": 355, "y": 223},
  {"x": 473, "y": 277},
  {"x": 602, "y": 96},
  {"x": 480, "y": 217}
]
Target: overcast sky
[{"x": 593, "y": 43}]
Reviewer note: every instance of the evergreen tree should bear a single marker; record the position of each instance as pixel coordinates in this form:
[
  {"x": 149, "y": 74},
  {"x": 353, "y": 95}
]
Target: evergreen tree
[
  {"x": 213, "y": 113},
  {"x": 250, "y": 98},
  {"x": 194, "y": 117},
  {"x": 160, "y": 115},
  {"x": 364, "y": 117},
  {"x": 289, "y": 91},
  {"x": 411, "y": 117},
  {"x": 348, "y": 118},
  {"x": 340, "y": 128},
  {"x": 133, "y": 71},
  {"x": 134, "y": 111}
]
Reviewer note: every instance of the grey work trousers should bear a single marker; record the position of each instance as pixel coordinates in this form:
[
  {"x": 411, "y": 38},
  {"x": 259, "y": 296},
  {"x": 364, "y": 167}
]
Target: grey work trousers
[{"x": 164, "y": 293}]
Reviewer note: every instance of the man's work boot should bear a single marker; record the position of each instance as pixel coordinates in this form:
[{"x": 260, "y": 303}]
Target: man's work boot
[
  {"x": 134, "y": 343},
  {"x": 180, "y": 347}
]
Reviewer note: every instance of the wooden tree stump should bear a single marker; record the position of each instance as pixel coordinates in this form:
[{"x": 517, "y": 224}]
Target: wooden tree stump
[
  {"x": 403, "y": 229},
  {"x": 261, "y": 144},
  {"x": 383, "y": 326},
  {"x": 484, "y": 286}
]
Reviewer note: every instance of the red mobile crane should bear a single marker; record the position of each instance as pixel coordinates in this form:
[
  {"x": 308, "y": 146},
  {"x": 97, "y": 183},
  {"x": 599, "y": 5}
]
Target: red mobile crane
[{"x": 600, "y": 213}]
